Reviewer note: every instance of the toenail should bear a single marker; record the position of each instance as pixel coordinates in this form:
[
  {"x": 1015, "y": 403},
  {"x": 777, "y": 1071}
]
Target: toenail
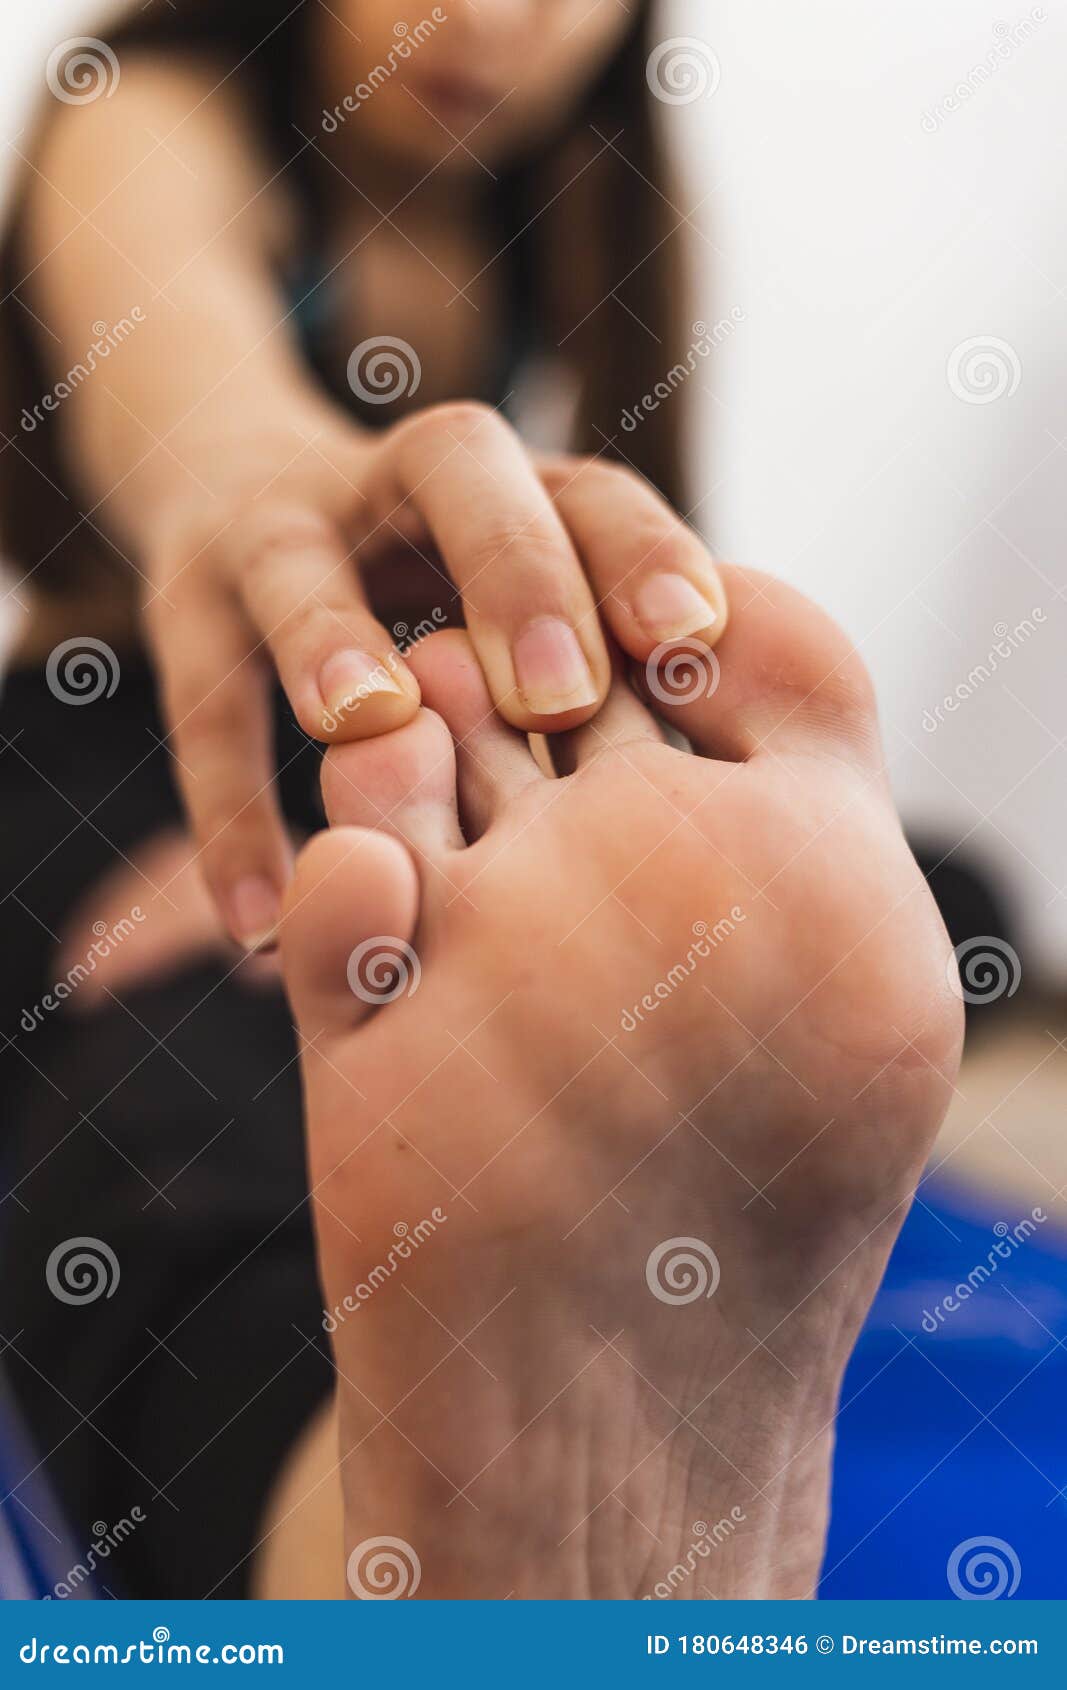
[
  {"x": 551, "y": 668},
  {"x": 670, "y": 607}
]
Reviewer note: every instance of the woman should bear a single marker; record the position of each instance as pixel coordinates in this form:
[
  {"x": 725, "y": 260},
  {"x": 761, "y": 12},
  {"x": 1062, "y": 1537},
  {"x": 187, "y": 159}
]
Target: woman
[
  {"x": 320, "y": 257},
  {"x": 299, "y": 224}
]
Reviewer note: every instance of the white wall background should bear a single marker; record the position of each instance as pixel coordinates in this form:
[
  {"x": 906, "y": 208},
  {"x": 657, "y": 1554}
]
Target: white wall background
[{"x": 863, "y": 247}]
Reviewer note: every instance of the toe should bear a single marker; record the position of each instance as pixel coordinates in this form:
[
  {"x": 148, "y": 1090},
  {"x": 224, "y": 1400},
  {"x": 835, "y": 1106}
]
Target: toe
[
  {"x": 493, "y": 760},
  {"x": 784, "y": 677},
  {"x": 402, "y": 783},
  {"x": 623, "y": 720},
  {"x": 347, "y": 929}
]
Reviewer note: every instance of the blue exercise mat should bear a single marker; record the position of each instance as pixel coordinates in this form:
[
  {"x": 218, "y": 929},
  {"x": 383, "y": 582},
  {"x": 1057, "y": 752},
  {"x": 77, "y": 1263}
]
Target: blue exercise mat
[{"x": 951, "y": 1458}]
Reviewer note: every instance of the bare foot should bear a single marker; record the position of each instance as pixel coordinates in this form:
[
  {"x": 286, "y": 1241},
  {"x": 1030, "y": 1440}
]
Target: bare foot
[{"x": 607, "y": 1168}]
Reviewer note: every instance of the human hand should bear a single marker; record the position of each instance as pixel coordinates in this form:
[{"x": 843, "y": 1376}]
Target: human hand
[{"x": 267, "y": 577}]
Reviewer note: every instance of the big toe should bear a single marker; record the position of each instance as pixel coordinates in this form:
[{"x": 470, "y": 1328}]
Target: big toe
[
  {"x": 783, "y": 678},
  {"x": 348, "y": 928}
]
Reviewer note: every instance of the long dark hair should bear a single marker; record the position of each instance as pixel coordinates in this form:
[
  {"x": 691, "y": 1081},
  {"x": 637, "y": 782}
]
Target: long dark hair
[{"x": 591, "y": 263}]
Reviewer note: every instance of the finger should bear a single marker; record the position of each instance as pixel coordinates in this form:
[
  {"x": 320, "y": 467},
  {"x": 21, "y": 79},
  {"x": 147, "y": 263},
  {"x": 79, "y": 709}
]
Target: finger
[
  {"x": 340, "y": 670},
  {"x": 527, "y": 603},
  {"x": 653, "y": 578},
  {"x": 216, "y": 702}
]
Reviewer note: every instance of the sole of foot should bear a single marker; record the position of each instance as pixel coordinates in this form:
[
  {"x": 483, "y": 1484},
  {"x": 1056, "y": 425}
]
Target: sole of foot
[{"x": 618, "y": 1087}]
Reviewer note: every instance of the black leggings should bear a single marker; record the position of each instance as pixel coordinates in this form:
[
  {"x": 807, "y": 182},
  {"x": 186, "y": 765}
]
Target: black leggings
[{"x": 166, "y": 1128}]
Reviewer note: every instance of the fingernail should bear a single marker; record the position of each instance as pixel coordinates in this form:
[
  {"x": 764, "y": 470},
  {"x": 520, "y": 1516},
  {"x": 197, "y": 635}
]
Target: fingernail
[
  {"x": 255, "y": 907},
  {"x": 348, "y": 677},
  {"x": 671, "y": 607},
  {"x": 551, "y": 668}
]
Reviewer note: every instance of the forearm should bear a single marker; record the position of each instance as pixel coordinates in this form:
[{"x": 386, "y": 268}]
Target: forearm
[{"x": 149, "y": 231}]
